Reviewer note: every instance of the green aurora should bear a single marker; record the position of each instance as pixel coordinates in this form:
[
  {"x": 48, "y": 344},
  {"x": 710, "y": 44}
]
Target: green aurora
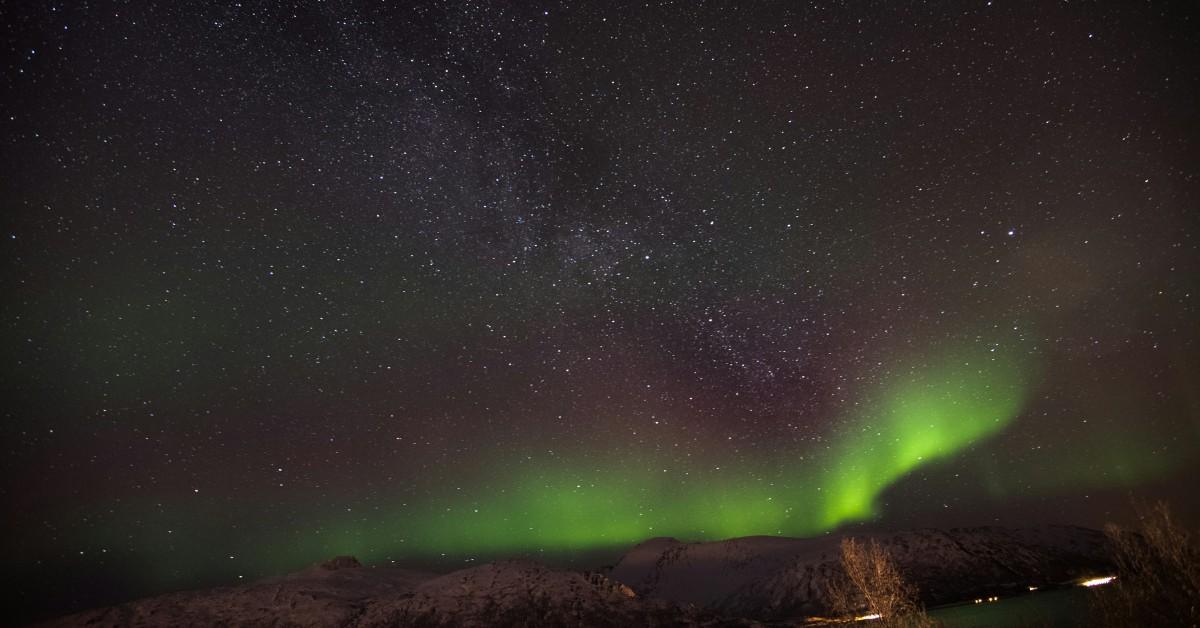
[
  {"x": 935, "y": 408},
  {"x": 921, "y": 415}
]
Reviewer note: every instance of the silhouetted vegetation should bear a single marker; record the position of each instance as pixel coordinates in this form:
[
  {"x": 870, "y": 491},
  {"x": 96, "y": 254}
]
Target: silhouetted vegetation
[
  {"x": 873, "y": 585},
  {"x": 1158, "y": 573}
]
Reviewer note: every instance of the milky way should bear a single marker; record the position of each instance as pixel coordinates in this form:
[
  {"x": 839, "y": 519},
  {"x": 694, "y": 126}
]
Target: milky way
[{"x": 447, "y": 282}]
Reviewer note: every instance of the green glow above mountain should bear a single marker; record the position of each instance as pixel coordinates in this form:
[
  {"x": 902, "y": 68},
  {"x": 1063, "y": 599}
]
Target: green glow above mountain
[{"x": 931, "y": 410}]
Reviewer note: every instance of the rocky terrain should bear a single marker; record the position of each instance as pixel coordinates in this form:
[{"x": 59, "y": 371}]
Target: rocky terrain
[{"x": 750, "y": 581}]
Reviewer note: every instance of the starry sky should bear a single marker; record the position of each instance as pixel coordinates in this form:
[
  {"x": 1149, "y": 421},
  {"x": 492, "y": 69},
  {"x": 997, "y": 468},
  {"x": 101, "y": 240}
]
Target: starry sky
[{"x": 451, "y": 281}]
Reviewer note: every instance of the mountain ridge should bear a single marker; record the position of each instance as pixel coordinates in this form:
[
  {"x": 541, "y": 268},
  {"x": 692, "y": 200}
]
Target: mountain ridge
[
  {"x": 775, "y": 578},
  {"x": 747, "y": 581}
]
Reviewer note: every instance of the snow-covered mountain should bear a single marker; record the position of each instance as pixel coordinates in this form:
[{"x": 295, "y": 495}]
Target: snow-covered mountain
[
  {"x": 775, "y": 578},
  {"x": 749, "y": 581},
  {"x": 344, "y": 594}
]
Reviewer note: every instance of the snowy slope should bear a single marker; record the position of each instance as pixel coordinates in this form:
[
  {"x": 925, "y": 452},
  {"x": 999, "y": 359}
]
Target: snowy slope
[
  {"x": 777, "y": 578},
  {"x": 507, "y": 593},
  {"x": 661, "y": 582}
]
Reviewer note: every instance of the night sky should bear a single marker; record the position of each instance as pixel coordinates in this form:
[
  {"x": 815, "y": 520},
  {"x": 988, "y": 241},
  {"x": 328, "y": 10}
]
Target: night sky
[{"x": 421, "y": 282}]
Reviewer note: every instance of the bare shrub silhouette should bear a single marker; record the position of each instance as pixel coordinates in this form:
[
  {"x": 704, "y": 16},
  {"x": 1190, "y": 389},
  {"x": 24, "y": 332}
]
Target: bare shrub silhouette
[
  {"x": 873, "y": 585},
  {"x": 1158, "y": 573}
]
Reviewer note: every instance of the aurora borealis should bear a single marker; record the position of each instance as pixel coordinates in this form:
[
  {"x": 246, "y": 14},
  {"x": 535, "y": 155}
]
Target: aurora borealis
[
  {"x": 445, "y": 282},
  {"x": 926, "y": 415}
]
